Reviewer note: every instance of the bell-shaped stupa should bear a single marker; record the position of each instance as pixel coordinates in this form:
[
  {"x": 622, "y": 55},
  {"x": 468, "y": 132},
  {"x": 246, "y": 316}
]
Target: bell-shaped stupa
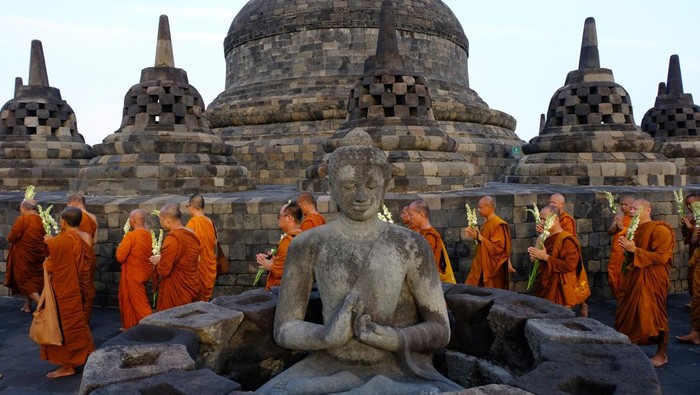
[
  {"x": 674, "y": 121},
  {"x": 164, "y": 142},
  {"x": 291, "y": 64},
  {"x": 589, "y": 137},
  {"x": 392, "y": 103},
  {"x": 39, "y": 140}
]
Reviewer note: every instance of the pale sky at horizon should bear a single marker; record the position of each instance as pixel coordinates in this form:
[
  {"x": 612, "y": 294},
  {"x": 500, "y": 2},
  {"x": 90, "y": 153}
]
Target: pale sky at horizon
[{"x": 520, "y": 52}]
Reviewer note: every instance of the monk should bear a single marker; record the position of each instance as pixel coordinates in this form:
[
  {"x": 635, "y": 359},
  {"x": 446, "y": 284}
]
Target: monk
[
  {"x": 384, "y": 313},
  {"x": 568, "y": 224},
  {"x": 694, "y": 336},
  {"x": 289, "y": 220},
  {"x": 490, "y": 266},
  {"x": 618, "y": 228},
  {"x": 312, "y": 218},
  {"x": 177, "y": 263},
  {"x": 25, "y": 274},
  {"x": 559, "y": 258},
  {"x": 134, "y": 253},
  {"x": 641, "y": 310},
  {"x": 691, "y": 238},
  {"x": 88, "y": 224},
  {"x": 203, "y": 227},
  {"x": 419, "y": 212},
  {"x": 65, "y": 256}
]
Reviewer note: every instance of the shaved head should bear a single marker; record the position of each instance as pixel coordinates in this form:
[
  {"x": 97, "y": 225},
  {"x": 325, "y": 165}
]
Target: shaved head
[
  {"x": 642, "y": 203},
  {"x": 549, "y": 210},
  {"x": 28, "y": 204},
  {"x": 488, "y": 200},
  {"x": 558, "y": 201},
  {"x": 196, "y": 202},
  {"x": 138, "y": 216},
  {"x": 171, "y": 210},
  {"x": 76, "y": 200},
  {"x": 643, "y": 208},
  {"x": 72, "y": 216},
  {"x": 306, "y": 198},
  {"x": 420, "y": 206}
]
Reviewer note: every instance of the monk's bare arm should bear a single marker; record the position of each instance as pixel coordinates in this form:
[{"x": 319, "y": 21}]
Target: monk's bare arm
[{"x": 291, "y": 331}]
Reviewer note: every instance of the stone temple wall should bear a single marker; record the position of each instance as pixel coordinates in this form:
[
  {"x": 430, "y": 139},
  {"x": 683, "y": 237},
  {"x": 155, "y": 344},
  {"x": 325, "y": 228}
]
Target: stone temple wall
[{"x": 247, "y": 223}]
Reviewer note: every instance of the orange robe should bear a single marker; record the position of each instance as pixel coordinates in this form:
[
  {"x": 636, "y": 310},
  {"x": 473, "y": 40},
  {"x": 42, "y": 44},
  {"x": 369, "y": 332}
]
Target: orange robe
[
  {"x": 89, "y": 226},
  {"x": 564, "y": 257},
  {"x": 179, "y": 276},
  {"x": 65, "y": 258},
  {"x": 25, "y": 274},
  {"x": 695, "y": 302},
  {"x": 641, "y": 310},
  {"x": 204, "y": 229},
  {"x": 274, "y": 276},
  {"x": 490, "y": 268},
  {"x": 133, "y": 253},
  {"x": 435, "y": 240},
  {"x": 617, "y": 256},
  {"x": 568, "y": 224},
  {"x": 312, "y": 220},
  {"x": 688, "y": 240}
]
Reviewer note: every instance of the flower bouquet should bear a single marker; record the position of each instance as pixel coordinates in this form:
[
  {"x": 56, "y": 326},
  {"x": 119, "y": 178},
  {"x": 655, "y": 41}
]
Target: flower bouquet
[
  {"x": 385, "y": 215},
  {"x": 471, "y": 219},
  {"x": 261, "y": 271},
  {"x": 535, "y": 213},
  {"x": 127, "y": 227},
  {"x": 29, "y": 193},
  {"x": 611, "y": 201},
  {"x": 548, "y": 222},
  {"x": 630, "y": 236},
  {"x": 680, "y": 204},
  {"x": 47, "y": 220}
]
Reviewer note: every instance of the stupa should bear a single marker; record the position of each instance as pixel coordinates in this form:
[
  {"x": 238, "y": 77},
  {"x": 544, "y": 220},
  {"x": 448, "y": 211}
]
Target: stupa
[
  {"x": 164, "y": 142},
  {"x": 674, "y": 121},
  {"x": 290, "y": 66},
  {"x": 39, "y": 140},
  {"x": 590, "y": 137},
  {"x": 392, "y": 104}
]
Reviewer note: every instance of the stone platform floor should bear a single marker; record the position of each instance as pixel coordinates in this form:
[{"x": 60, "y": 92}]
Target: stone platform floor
[{"x": 24, "y": 373}]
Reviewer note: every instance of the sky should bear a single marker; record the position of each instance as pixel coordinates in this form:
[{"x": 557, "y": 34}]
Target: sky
[{"x": 520, "y": 51}]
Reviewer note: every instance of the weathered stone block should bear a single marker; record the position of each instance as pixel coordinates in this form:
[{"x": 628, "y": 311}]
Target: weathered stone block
[
  {"x": 202, "y": 381},
  {"x": 125, "y": 363},
  {"x": 570, "y": 330},
  {"x": 148, "y": 334},
  {"x": 214, "y": 325}
]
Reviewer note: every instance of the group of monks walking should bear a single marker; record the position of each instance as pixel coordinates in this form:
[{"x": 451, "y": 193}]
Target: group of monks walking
[{"x": 185, "y": 269}]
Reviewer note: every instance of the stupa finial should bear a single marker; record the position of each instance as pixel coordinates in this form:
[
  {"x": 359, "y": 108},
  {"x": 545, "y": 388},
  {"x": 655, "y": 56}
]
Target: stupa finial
[
  {"x": 674, "y": 81},
  {"x": 589, "y": 59},
  {"x": 164, "y": 46},
  {"x": 18, "y": 84},
  {"x": 387, "y": 44},
  {"x": 662, "y": 89},
  {"x": 37, "y": 65}
]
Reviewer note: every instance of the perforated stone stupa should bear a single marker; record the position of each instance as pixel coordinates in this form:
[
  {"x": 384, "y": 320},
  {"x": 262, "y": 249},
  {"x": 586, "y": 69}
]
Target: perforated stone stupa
[
  {"x": 590, "y": 137},
  {"x": 674, "y": 121},
  {"x": 39, "y": 140},
  {"x": 164, "y": 142},
  {"x": 392, "y": 104},
  {"x": 290, "y": 66}
]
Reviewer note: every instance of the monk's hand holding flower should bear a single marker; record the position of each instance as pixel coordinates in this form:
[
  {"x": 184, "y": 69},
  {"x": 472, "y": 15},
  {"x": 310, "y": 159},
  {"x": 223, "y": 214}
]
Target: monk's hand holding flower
[
  {"x": 472, "y": 232},
  {"x": 536, "y": 253},
  {"x": 264, "y": 261},
  {"x": 154, "y": 259},
  {"x": 626, "y": 244}
]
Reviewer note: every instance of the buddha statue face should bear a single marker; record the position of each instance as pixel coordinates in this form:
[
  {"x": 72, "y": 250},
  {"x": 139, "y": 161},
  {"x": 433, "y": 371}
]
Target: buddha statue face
[{"x": 358, "y": 190}]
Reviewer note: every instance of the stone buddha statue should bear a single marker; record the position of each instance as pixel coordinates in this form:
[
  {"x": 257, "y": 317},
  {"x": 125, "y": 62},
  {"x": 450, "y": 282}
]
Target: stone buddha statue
[{"x": 384, "y": 312}]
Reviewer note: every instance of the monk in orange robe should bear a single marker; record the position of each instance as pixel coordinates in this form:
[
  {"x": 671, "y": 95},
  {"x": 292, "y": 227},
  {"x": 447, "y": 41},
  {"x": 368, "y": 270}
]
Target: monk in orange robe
[
  {"x": 134, "y": 253},
  {"x": 691, "y": 238},
  {"x": 64, "y": 260},
  {"x": 694, "y": 336},
  {"x": 289, "y": 220},
  {"x": 406, "y": 218},
  {"x": 419, "y": 214},
  {"x": 490, "y": 266},
  {"x": 560, "y": 256},
  {"x": 568, "y": 224},
  {"x": 641, "y": 310},
  {"x": 24, "y": 274},
  {"x": 312, "y": 218},
  {"x": 203, "y": 227},
  {"x": 88, "y": 224},
  {"x": 618, "y": 228},
  {"x": 177, "y": 263}
]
